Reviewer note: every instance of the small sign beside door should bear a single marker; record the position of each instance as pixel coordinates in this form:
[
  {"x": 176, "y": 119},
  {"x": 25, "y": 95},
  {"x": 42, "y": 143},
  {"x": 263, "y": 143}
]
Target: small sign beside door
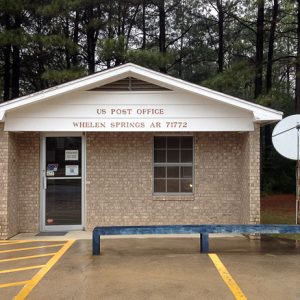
[
  {"x": 72, "y": 170},
  {"x": 50, "y": 173},
  {"x": 71, "y": 154}
]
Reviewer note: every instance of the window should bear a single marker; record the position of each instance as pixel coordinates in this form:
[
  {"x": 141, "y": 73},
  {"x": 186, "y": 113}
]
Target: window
[{"x": 173, "y": 164}]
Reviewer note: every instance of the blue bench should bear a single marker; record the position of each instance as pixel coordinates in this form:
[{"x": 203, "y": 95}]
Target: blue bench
[{"x": 203, "y": 230}]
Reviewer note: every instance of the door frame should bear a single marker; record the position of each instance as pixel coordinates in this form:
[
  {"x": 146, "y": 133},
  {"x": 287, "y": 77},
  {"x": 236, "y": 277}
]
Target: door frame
[{"x": 43, "y": 227}]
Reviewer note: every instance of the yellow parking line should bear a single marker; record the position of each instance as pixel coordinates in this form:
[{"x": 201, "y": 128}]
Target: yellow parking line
[
  {"x": 27, "y": 257},
  {"x": 21, "y": 269},
  {"x": 13, "y": 241},
  {"x": 36, "y": 240},
  {"x": 41, "y": 273},
  {"x": 17, "y": 242},
  {"x": 30, "y": 248},
  {"x": 12, "y": 284},
  {"x": 233, "y": 286}
]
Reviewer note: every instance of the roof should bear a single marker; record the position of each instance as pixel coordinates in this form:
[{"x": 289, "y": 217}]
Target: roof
[{"x": 261, "y": 114}]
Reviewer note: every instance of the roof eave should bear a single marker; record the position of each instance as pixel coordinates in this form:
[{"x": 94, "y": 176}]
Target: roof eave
[
  {"x": 2, "y": 116},
  {"x": 260, "y": 113},
  {"x": 64, "y": 88},
  {"x": 257, "y": 109}
]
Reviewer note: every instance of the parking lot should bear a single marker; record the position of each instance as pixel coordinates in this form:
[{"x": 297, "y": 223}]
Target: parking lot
[
  {"x": 151, "y": 268},
  {"x": 23, "y": 263}
]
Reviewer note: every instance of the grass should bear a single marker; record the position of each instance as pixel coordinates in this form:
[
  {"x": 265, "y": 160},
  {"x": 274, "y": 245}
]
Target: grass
[{"x": 279, "y": 217}]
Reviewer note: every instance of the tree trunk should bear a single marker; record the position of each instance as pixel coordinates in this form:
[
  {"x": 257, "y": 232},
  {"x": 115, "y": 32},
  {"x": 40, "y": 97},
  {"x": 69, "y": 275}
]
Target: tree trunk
[
  {"x": 6, "y": 74},
  {"x": 75, "y": 38},
  {"x": 180, "y": 57},
  {"x": 7, "y": 64},
  {"x": 267, "y": 130},
  {"x": 131, "y": 24},
  {"x": 41, "y": 67},
  {"x": 144, "y": 25},
  {"x": 110, "y": 31},
  {"x": 119, "y": 19},
  {"x": 259, "y": 49},
  {"x": 16, "y": 62},
  {"x": 297, "y": 94},
  {"x": 91, "y": 51},
  {"x": 40, "y": 57},
  {"x": 91, "y": 43},
  {"x": 271, "y": 47},
  {"x": 15, "y": 90},
  {"x": 221, "y": 36},
  {"x": 162, "y": 31},
  {"x": 67, "y": 51}
]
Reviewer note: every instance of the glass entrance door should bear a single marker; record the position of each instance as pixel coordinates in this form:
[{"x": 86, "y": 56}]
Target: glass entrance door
[{"x": 62, "y": 183}]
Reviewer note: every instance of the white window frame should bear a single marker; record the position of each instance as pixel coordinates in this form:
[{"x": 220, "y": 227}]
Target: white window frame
[{"x": 173, "y": 164}]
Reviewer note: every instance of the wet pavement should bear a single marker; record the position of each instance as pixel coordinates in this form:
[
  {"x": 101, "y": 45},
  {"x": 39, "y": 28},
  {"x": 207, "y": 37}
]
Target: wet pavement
[
  {"x": 171, "y": 268},
  {"x": 24, "y": 263}
]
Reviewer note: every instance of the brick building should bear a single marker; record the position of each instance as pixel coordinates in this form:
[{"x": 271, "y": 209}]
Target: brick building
[{"x": 128, "y": 146}]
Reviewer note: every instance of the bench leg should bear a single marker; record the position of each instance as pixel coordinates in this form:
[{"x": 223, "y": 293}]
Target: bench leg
[
  {"x": 204, "y": 243},
  {"x": 96, "y": 243}
]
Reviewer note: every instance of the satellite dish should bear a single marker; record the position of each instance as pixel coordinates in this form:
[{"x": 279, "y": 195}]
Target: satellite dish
[{"x": 285, "y": 137}]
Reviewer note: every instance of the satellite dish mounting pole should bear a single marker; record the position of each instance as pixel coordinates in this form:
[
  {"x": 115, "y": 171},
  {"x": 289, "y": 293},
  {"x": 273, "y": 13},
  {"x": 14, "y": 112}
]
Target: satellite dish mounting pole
[{"x": 297, "y": 177}]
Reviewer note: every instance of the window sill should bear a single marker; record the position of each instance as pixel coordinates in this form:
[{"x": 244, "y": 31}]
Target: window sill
[{"x": 173, "y": 197}]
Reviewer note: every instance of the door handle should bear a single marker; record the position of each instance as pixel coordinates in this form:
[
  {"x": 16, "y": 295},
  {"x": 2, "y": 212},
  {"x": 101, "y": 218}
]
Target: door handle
[{"x": 45, "y": 182}]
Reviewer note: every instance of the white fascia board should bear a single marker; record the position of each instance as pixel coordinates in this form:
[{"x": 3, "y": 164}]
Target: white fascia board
[
  {"x": 261, "y": 117},
  {"x": 260, "y": 113},
  {"x": 2, "y": 115}
]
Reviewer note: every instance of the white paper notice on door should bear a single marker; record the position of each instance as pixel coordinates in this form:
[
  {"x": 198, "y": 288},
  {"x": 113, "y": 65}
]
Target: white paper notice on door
[
  {"x": 71, "y": 154},
  {"x": 72, "y": 170}
]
